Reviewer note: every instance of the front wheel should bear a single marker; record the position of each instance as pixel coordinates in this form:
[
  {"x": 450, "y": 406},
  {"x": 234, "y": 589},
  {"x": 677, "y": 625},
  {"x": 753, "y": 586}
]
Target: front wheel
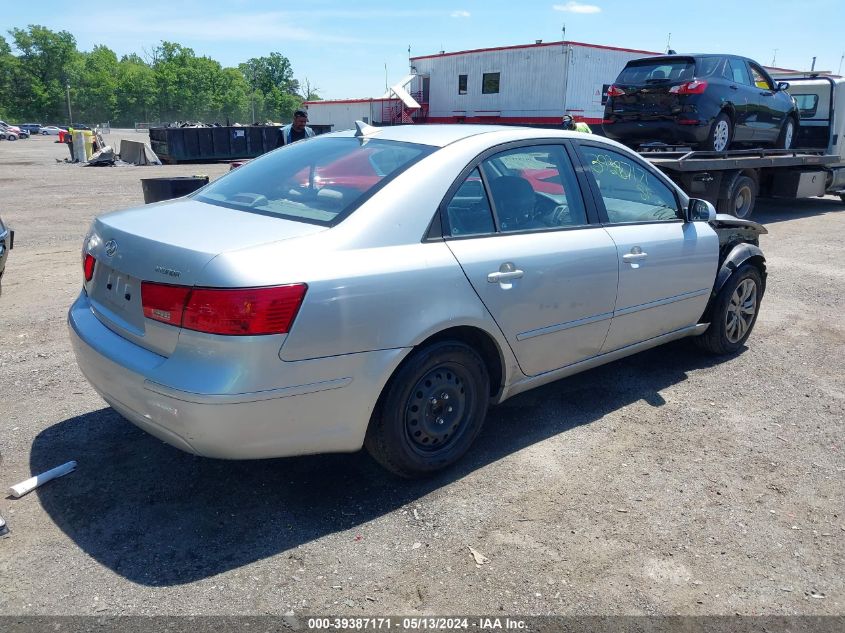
[
  {"x": 431, "y": 411},
  {"x": 734, "y": 312},
  {"x": 787, "y": 134}
]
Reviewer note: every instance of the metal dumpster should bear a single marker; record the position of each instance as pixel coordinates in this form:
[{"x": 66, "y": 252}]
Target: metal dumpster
[{"x": 206, "y": 144}]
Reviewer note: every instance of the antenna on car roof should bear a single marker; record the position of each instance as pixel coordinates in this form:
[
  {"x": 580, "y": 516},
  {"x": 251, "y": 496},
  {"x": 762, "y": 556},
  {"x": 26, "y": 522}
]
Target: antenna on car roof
[{"x": 363, "y": 129}]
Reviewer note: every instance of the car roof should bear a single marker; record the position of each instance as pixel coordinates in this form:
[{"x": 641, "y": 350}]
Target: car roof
[{"x": 440, "y": 135}]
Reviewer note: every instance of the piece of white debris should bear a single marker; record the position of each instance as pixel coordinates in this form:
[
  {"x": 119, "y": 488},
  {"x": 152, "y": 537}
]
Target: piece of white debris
[
  {"x": 416, "y": 546},
  {"x": 32, "y": 483},
  {"x": 480, "y": 559}
]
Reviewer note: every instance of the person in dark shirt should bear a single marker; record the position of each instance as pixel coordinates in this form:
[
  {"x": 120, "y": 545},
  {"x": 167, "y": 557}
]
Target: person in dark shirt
[{"x": 295, "y": 131}]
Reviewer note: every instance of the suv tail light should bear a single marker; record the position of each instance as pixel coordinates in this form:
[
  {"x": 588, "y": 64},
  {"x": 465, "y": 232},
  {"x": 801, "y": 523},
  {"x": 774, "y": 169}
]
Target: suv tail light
[
  {"x": 230, "y": 311},
  {"x": 88, "y": 263},
  {"x": 615, "y": 91},
  {"x": 694, "y": 87}
]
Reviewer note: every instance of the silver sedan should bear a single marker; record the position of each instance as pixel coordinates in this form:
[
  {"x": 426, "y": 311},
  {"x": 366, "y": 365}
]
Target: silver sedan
[{"x": 383, "y": 287}]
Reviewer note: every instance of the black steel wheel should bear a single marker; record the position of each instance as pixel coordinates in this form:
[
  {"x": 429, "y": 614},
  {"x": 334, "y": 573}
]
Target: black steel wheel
[
  {"x": 740, "y": 199},
  {"x": 734, "y": 312},
  {"x": 431, "y": 411}
]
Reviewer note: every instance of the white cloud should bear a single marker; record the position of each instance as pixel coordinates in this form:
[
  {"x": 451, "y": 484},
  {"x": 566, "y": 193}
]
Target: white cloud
[
  {"x": 577, "y": 7},
  {"x": 460, "y": 14}
]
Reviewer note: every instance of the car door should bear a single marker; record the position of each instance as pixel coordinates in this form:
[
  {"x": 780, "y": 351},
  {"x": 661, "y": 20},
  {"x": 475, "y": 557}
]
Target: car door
[
  {"x": 770, "y": 115},
  {"x": 744, "y": 98},
  {"x": 666, "y": 265},
  {"x": 517, "y": 223}
]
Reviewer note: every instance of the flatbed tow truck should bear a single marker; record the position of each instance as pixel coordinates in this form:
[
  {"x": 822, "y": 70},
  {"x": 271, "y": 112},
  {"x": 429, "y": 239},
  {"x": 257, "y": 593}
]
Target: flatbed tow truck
[{"x": 733, "y": 180}]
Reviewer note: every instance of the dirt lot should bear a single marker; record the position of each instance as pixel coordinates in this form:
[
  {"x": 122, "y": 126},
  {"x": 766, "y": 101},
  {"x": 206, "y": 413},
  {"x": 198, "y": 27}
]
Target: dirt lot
[{"x": 665, "y": 483}]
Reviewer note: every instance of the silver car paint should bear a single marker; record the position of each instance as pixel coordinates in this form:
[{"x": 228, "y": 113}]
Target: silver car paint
[
  {"x": 376, "y": 289},
  {"x": 558, "y": 311}
]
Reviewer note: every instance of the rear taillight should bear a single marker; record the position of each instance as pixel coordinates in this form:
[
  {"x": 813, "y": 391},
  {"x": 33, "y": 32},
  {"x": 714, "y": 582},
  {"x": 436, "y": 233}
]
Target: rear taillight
[
  {"x": 164, "y": 303},
  {"x": 232, "y": 311},
  {"x": 88, "y": 264},
  {"x": 607, "y": 121},
  {"x": 615, "y": 91},
  {"x": 694, "y": 87}
]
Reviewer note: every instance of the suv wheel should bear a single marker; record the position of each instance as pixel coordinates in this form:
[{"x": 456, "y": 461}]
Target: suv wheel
[
  {"x": 787, "y": 134},
  {"x": 721, "y": 134}
]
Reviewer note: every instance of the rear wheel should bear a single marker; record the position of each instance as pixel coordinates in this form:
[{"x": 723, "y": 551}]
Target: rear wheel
[
  {"x": 734, "y": 312},
  {"x": 431, "y": 411},
  {"x": 787, "y": 134},
  {"x": 740, "y": 199},
  {"x": 721, "y": 134}
]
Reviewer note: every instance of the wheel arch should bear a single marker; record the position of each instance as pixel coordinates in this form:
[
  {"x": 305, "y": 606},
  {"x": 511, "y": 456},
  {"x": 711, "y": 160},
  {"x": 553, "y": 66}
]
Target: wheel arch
[{"x": 739, "y": 255}]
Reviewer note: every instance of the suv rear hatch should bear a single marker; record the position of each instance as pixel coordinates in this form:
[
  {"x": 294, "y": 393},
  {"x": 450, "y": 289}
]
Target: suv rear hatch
[
  {"x": 167, "y": 243},
  {"x": 648, "y": 88}
]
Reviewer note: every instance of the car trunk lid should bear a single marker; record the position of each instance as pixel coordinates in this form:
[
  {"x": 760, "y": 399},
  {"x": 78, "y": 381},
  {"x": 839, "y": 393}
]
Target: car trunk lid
[
  {"x": 647, "y": 86},
  {"x": 169, "y": 243}
]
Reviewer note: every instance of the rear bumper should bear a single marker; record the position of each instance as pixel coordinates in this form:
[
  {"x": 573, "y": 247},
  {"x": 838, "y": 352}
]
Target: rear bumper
[
  {"x": 321, "y": 405},
  {"x": 664, "y": 131}
]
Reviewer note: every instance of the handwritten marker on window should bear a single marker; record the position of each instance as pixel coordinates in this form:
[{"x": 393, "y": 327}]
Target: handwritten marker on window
[{"x": 32, "y": 483}]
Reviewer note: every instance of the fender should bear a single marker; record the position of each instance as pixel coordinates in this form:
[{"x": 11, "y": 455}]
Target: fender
[{"x": 739, "y": 255}]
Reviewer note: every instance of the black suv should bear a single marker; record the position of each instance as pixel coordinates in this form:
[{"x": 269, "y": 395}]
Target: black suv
[{"x": 708, "y": 101}]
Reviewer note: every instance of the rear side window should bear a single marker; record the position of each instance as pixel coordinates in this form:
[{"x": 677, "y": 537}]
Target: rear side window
[
  {"x": 469, "y": 211},
  {"x": 739, "y": 73},
  {"x": 630, "y": 192},
  {"x": 657, "y": 71},
  {"x": 320, "y": 181}
]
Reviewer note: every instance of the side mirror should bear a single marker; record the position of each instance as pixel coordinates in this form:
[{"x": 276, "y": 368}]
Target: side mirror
[
  {"x": 783, "y": 85},
  {"x": 700, "y": 211}
]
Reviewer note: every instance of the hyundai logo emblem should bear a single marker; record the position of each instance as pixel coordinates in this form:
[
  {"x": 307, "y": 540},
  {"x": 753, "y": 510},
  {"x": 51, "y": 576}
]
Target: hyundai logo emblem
[{"x": 111, "y": 248}]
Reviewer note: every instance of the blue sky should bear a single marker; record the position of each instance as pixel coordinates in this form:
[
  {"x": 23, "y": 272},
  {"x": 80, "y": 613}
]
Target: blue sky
[{"x": 342, "y": 47}]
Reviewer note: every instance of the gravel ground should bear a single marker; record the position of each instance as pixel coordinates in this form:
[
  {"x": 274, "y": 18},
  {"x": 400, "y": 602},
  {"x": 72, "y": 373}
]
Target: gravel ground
[{"x": 666, "y": 483}]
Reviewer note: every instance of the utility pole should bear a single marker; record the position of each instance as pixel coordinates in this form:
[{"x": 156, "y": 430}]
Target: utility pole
[
  {"x": 813, "y": 67},
  {"x": 69, "y": 114},
  {"x": 841, "y": 59},
  {"x": 252, "y": 93},
  {"x": 774, "y": 56},
  {"x": 669, "y": 43}
]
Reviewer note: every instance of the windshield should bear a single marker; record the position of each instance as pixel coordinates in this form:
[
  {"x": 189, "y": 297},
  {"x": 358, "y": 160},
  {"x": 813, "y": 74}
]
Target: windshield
[
  {"x": 657, "y": 71},
  {"x": 321, "y": 180}
]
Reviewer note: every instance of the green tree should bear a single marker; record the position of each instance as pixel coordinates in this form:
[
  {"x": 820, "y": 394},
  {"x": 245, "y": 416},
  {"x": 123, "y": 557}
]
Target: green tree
[
  {"x": 96, "y": 85},
  {"x": 46, "y": 64},
  {"x": 136, "y": 91}
]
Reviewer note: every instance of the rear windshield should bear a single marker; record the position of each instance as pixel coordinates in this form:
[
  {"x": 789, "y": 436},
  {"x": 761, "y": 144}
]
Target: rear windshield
[
  {"x": 658, "y": 71},
  {"x": 320, "y": 181}
]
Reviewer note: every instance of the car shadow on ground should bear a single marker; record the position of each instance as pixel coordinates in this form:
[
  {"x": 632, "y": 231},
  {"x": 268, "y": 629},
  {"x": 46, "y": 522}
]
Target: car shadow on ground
[
  {"x": 771, "y": 210},
  {"x": 160, "y": 517}
]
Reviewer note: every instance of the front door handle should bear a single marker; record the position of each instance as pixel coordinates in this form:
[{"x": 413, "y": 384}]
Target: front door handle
[
  {"x": 634, "y": 257},
  {"x": 507, "y": 272},
  {"x": 499, "y": 277}
]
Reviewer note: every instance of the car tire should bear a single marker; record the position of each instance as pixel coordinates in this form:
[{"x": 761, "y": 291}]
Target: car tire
[
  {"x": 11, "y": 137},
  {"x": 431, "y": 410},
  {"x": 786, "y": 138},
  {"x": 721, "y": 134},
  {"x": 734, "y": 312},
  {"x": 43, "y": 133},
  {"x": 740, "y": 199}
]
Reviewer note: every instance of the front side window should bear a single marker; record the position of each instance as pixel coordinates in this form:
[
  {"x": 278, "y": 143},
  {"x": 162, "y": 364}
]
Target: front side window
[
  {"x": 462, "y": 84},
  {"x": 760, "y": 79},
  {"x": 320, "y": 180},
  {"x": 490, "y": 83},
  {"x": 631, "y": 193}
]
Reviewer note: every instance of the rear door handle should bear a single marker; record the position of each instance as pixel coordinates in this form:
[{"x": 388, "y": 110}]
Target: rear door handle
[
  {"x": 634, "y": 257},
  {"x": 734, "y": 87},
  {"x": 499, "y": 277}
]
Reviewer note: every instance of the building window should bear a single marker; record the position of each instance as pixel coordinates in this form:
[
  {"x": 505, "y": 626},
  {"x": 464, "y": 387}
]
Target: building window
[
  {"x": 462, "y": 84},
  {"x": 490, "y": 83}
]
